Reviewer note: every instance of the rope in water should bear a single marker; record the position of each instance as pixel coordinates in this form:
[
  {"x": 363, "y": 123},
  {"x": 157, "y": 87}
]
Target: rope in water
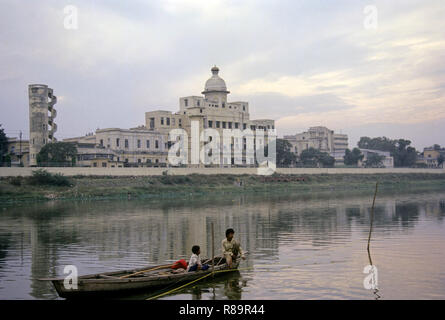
[{"x": 196, "y": 280}]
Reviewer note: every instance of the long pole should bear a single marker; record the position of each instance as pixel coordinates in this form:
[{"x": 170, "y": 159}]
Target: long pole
[
  {"x": 213, "y": 249},
  {"x": 20, "y": 157},
  {"x": 372, "y": 220}
]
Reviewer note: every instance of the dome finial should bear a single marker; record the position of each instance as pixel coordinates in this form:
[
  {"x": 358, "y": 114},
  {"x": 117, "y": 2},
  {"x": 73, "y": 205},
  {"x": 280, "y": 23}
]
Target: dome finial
[{"x": 215, "y": 70}]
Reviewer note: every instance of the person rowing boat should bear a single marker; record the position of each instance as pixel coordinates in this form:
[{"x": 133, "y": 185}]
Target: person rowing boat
[{"x": 231, "y": 248}]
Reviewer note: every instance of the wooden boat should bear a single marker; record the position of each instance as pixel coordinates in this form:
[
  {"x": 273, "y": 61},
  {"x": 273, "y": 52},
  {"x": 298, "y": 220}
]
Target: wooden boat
[{"x": 142, "y": 279}]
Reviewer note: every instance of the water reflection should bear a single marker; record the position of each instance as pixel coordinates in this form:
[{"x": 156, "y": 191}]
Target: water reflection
[{"x": 313, "y": 244}]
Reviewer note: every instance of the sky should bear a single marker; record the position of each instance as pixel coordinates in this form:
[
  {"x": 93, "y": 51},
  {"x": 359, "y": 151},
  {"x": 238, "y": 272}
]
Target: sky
[{"x": 364, "y": 68}]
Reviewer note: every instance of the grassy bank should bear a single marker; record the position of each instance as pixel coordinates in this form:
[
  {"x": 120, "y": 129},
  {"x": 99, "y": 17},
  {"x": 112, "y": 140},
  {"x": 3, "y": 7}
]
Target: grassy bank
[{"x": 46, "y": 188}]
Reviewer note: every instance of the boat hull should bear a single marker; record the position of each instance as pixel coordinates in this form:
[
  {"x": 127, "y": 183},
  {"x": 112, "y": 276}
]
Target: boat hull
[{"x": 94, "y": 285}]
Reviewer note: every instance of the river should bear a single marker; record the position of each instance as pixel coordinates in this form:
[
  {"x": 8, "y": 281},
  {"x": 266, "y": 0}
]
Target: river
[{"x": 301, "y": 246}]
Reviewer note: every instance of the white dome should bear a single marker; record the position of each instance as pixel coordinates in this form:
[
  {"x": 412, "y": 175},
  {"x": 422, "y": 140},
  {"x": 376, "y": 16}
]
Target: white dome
[{"x": 215, "y": 83}]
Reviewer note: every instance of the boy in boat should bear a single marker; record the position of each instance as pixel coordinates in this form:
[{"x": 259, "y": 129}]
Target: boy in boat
[
  {"x": 195, "y": 260},
  {"x": 231, "y": 248}
]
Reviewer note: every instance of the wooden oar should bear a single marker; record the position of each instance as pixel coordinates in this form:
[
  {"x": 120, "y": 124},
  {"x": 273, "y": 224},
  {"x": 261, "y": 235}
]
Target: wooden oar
[{"x": 143, "y": 271}]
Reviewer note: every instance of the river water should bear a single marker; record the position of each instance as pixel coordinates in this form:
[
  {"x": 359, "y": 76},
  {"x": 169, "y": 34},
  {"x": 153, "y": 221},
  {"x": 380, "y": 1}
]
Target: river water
[{"x": 301, "y": 246}]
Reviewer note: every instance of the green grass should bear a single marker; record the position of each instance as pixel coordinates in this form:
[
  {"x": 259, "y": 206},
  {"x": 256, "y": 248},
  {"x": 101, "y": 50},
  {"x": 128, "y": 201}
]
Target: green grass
[{"x": 109, "y": 187}]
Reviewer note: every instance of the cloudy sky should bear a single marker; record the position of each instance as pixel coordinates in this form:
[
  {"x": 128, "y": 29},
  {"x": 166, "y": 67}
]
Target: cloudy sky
[{"x": 302, "y": 63}]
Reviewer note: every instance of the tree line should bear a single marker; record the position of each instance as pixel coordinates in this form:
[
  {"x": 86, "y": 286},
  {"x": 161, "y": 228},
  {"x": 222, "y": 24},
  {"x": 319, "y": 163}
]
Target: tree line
[{"x": 400, "y": 149}]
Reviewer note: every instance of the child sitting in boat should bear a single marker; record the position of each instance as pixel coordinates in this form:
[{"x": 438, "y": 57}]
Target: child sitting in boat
[
  {"x": 231, "y": 248},
  {"x": 195, "y": 260}
]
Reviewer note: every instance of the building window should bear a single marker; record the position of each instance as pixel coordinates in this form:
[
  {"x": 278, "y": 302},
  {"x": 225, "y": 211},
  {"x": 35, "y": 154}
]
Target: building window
[
  {"x": 186, "y": 102},
  {"x": 200, "y": 110},
  {"x": 236, "y": 125},
  {"x": 117, "y": 142},
  {"x": 210, "y": 123},
  {"x": 223, "y": 104},
  {"x": 217, "y": 124},
  {"x": 198, "y": 103},
  {"x": 244, "y": 108},
  {"x": 139, "y": 160},
  {"x": 104, "y": 164},
  {"x": 168, "y": 121},
  {"x": 244, "y": 126},
  {"x": 180, "y": 122},
  {"x": 162, "y": 121},
  {"x": 152, "y": 123},
  {"x": 94, "y": 164},
  {"x": 101, "y": 142},
  {"x": 157, "y": 160},
  {"x": 157, "y": 144},
  {"x": 224, "y": 124},
  {"x": 126, "y": 143},
  {"x": 230, "y": 125},
  {"x": 148, "y": 144},
  {"x": 139, "y": 143}
]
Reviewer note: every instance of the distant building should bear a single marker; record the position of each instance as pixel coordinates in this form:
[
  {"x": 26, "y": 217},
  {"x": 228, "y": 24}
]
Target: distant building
[
  {"x": 430, "y": 157},
  {"x": 18, "y": 150},
  {"x": 41, "y": 119},
  {"x": 322, "y": 139},
  {"x": 387, "y": 162},
  {"x": 121, "y": 147}
]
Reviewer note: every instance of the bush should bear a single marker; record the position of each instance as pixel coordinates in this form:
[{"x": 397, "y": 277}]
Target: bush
[
  {"x": 43, "y": 177},
  {"x": 16, "y": 181}
]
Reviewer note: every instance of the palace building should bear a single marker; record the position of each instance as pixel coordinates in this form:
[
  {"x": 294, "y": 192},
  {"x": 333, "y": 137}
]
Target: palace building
[{"x": 148, "y": 145}]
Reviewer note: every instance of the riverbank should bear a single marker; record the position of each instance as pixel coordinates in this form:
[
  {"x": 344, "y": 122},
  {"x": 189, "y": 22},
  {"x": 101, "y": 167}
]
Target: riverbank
[{"x": 20, "y": 189}]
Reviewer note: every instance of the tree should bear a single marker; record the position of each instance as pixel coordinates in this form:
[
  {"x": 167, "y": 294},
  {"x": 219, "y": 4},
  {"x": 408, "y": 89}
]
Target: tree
[
  {"x": 374, "y": 160},
  {"x": 326, "y": 160},
  {"x": 3, "y": 146},
  {"x": 57, "y": 154},
  {"x": 440, "y": 160},
  {"x": 285, "y": 156},
  {"x": 404, "y": 155},
  {"x": 352, "y": 158},
  {"x": 315, "y": 158}
]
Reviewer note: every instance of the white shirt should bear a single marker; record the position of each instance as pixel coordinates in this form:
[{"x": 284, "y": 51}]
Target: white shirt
[{"x": 194, "y": 259}]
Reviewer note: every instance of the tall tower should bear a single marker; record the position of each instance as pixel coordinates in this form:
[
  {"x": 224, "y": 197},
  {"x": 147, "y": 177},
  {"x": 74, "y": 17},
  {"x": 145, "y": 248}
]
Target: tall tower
[{"x": 41, "y": 119}]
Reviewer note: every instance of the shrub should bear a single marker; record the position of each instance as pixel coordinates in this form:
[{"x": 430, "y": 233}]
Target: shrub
[
  {"x": 16, "y": 181},
  {"x": 43, "y": 177}
]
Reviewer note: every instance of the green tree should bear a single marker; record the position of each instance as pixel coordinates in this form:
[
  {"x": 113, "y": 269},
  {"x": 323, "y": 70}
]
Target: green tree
[
  {"x": 374, "y": 160},
  {"x": 352, "y": 158},
  {"x": 315, "y": 158},
  {"x": 440, "y": 160},
  {"x": 404, "y": 155},
  {"x": 3, "y": 146},
  {"x": 57, "y": 154},
  {"x": 285, "y": 156}
]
